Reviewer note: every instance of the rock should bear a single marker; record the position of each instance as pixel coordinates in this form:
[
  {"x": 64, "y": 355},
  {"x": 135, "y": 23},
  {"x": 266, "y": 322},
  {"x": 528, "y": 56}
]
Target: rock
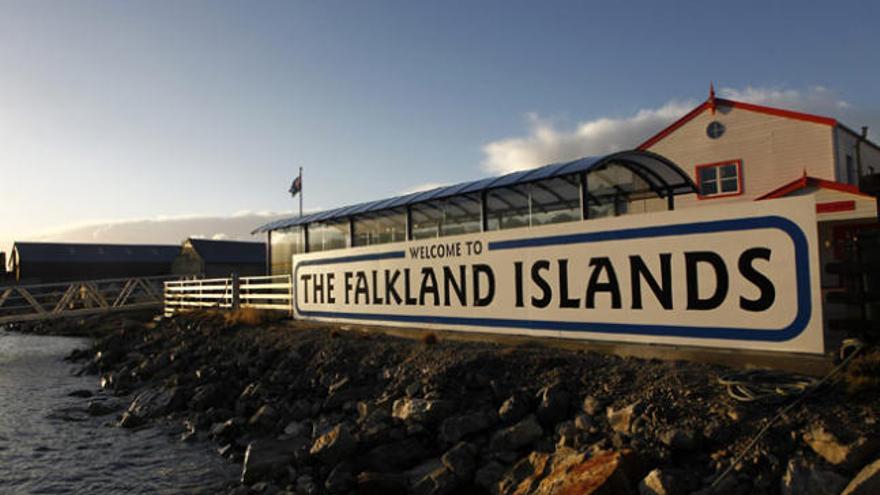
[
  {"x": 207, "y": 396},
  {"x": 83, "y": 394},
  {"x": 440, "y": 482},
  {"x": 154, "y": 403},
  {"x": 334, "y": 446},
  {"x": 621, "y": 420},
  {"x": 305, "y": 485},
  {"x": 420, "y": 410},
  {"x": 867, "y": 482},
  {"x": 369, "y": 483},
  {"x": 396, "y": 456},
  {"x": 517, "y": 436},
  {"x": 266, "y": 458},
  {"x": 513, "y": 409},
  {"x": 456, "y": 428},
  {"x": 681, "y": 439},
  {"x": 340, "y": 397},
  {"x": 846, "y": 455},
  {"x": 583, "y": 422},
  {"x": 803, "y": 478},
  {"x": 658, "y": 482},
  {"x": 340, "y": 480},
  {"x": 489, "y": 475},
  {"x": 296, "y": 429},
  {"x": 461, "y": 460},
  {"x": 224, "y": 430},
  {"x": 567, "y": 433},
  {"x": 592, "y": 406},
  {"x": 568, "y": 471},
  {"x": 130, "y": 420},
  {"x": 553, "y": 405},
  {"x": 102, "y": 407},
  {"x": 265, "y": 418}
]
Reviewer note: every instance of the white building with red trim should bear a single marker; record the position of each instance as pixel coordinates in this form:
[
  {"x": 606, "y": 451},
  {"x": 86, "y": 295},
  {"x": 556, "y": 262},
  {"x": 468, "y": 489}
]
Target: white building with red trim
[{"x": 738, "y": 151}]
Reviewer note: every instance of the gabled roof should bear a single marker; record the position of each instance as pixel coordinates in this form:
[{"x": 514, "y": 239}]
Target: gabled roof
[
  {"x": 659, "y": 172},
  {"x": 708, "y": 104},
  {"x": 807, "y": 181},
  {"x": 59, "y": 252},
  {"x": 212, "y": 251}
]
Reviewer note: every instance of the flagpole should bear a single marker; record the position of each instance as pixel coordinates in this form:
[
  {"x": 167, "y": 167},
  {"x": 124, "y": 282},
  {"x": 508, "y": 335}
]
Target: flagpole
[{"x": 300, "y": 193}]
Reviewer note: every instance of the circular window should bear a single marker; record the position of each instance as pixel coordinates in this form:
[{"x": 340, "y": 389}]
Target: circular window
[{"x": 715, "y": 129}]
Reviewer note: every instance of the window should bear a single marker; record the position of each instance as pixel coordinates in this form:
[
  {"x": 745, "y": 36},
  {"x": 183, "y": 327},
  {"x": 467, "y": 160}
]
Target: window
[
  {"x": 285, "y": 243},
  {"x": 851, "y": 175},
  {"x": 717, "y": 180},
  {"x": 324, "y": 236},
  {"x": 380, "y": 227}
]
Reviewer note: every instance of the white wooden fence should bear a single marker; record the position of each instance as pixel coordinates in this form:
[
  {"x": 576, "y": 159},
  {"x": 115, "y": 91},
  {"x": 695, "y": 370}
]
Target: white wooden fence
[
  {"x": 272, "y": 292},
  {"x": 84, "y": 297}
]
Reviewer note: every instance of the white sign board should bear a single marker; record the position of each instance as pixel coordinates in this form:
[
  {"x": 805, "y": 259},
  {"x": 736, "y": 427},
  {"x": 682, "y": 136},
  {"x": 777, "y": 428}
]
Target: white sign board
[{"x": 734, "y": 276}]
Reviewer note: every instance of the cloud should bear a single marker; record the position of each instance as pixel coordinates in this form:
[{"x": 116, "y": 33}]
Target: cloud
[
  {"x": 165, "y": 229},
  {"x": 549, "y": 142}
]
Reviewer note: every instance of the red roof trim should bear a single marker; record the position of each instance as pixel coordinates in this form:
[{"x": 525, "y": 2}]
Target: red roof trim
[
  {"x": 835, "y": 206},
  {"x": 672, "y": 127},
  {"x": 806, "y": 181},
  {"x": 789, "y": 114}
]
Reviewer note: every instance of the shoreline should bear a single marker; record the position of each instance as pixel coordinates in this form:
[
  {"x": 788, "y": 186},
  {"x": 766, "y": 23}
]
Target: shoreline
[{"x": 311, "y": 408}]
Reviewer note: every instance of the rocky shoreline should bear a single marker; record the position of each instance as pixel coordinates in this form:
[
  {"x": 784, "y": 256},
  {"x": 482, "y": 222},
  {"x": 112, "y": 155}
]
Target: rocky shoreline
[{"x": 311, "y": 410}]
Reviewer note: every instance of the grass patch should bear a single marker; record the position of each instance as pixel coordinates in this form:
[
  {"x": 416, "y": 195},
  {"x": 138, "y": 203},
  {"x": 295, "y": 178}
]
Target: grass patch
[
  {"x": 250, "y": 317},
  {"x": 429, "y": 338}
]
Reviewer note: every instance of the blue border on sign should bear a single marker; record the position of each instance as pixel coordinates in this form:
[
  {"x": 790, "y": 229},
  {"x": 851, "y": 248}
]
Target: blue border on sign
[{"x": 792, "y": 330}]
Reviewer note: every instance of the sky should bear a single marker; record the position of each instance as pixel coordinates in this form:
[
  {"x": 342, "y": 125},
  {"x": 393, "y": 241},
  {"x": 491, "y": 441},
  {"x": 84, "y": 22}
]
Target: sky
[{"x": 136, "y": 121}]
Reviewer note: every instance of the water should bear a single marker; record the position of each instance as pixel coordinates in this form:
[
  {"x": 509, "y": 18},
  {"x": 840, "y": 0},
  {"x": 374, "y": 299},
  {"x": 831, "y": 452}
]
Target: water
[{"x": 48, "y": 444}]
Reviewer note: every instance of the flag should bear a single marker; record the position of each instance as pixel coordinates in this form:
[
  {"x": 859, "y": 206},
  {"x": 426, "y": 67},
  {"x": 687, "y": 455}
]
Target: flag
[{"x": 297, "y": 185}]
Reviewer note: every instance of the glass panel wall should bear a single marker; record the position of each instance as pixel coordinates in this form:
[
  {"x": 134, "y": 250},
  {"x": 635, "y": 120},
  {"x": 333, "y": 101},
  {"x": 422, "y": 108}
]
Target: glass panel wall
[
  {"x": 324, "y": 236},
  {"x": 426, "y": 219},
  {"x": 284, "y": 244},
  {"x": 461, "y": 215},
  {"x": 615, "y": 190},
  {"x": 556, "y": 200},
  {"x": 508, "y": 207},
  {"x": 380, "y": 227}
]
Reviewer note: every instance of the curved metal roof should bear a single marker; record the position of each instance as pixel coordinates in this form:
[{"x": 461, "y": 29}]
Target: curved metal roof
[{"x": 660, "y": 173}]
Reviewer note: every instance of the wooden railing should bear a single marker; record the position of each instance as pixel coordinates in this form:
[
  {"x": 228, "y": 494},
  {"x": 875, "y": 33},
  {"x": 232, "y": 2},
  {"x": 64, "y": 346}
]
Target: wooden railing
[
  {"x": 272, "y": 292},
  {"x": 56, "y": 300}
]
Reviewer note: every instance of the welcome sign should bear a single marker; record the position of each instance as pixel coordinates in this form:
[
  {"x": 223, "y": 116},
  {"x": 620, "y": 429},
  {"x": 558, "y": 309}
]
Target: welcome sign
[{"x": 737, "y": 276}]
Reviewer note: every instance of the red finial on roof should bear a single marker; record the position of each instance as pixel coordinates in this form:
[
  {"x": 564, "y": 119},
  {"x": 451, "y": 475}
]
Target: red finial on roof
[{"x": 712, "y": 98}]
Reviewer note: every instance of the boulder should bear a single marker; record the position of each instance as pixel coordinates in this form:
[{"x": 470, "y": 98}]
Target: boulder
[
  {"x": 621, "y": 420},
  {"x": 803, "y": 478},
  {"x": 517, "y": 436},
  {"x": 659, "y": 482},
  {"x": 513, "y": 409},
  {"x": 456, "y": 428},
  {"x": 441, "y": 481},
  {"x": 568, "y": 471},
  {"x": 592, "y": 406},
  {"x": 396, "y": 456},
  {"x": 420, "y": 410},
  {"x": 265, "y": 418},
  {"x": 851, "y": 455},
  {"x": 340, "y": 480},
  {"x": 130, "y": 420},
  {"x": 681, "y": 439},
  {"x": 154, "y": 403},
  {"x": 266, "y": 458},
  {"x": 461, "y": 460},
  {"x": 206, "y": 396},
  {"x": 83, "y": 394},
  {"x": 488, "y": 475},
  {"x": 370, "y": 483},
  {"x": 335, "y": 445},
  {"x": 102, "y": 407},
  {"x": 867, "y": 482},
  {"x": 553, "y": 402}
]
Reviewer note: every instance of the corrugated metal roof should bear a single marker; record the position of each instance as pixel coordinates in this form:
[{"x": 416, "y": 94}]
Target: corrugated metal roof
[
  {"x": 59, "y": 252},
  {"x": 659, "y": 172},
  {"x": 218, "y": 251}
]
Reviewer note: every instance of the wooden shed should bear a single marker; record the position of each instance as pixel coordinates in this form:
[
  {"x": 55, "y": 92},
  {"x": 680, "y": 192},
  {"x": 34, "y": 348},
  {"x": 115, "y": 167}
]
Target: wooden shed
[
  {"x": 41, "y": 262},
  {"x": 215, "y": 258}
]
